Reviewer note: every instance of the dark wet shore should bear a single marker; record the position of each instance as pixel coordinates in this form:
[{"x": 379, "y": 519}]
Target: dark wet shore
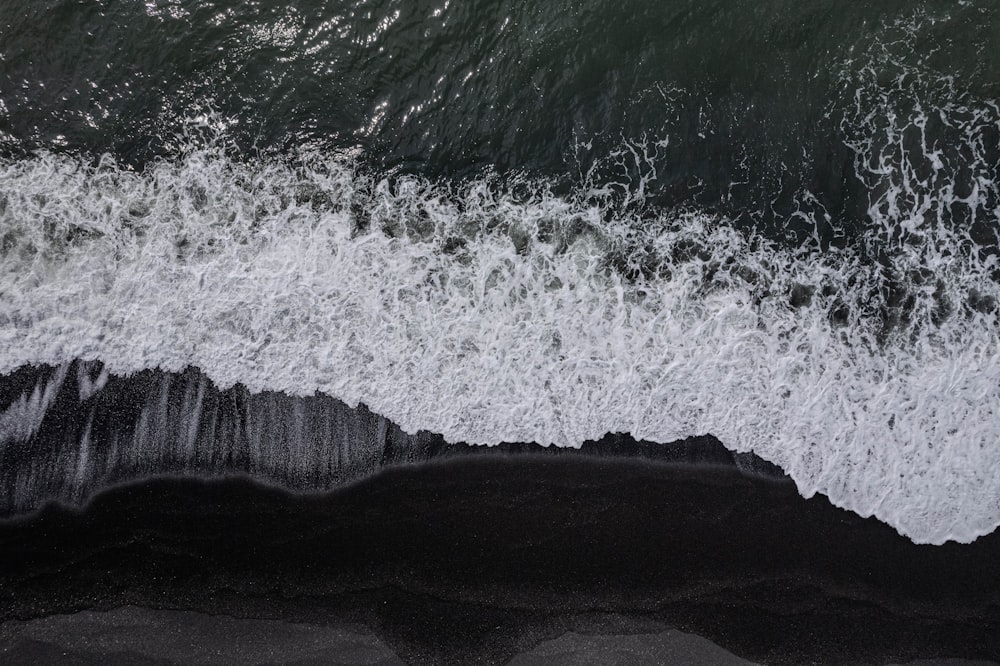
[
  {"x": 68, "y": 432},
  {"x": 477, "y": 559}
]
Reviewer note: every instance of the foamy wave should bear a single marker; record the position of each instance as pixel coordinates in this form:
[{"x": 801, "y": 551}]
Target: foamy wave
[{"x": 490, "y": 312}]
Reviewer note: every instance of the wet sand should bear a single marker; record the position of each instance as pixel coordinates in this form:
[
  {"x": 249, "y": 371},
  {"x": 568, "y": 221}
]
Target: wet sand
[{"x": 489, "y": 559}]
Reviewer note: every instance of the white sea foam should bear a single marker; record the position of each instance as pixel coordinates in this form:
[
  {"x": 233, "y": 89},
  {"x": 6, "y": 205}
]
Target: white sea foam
[
  {"x": 21, "y": 419},
  {"x": 870, "y": 374}
]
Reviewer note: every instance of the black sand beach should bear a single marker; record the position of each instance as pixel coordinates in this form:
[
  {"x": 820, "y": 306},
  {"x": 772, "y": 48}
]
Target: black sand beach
[
  {"x": 479, "y": 559},
  {"x": 291, "y": 293}
]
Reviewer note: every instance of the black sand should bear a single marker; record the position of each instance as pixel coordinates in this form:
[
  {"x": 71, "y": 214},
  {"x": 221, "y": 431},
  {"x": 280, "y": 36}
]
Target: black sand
[{"x": 478, "y": 559}]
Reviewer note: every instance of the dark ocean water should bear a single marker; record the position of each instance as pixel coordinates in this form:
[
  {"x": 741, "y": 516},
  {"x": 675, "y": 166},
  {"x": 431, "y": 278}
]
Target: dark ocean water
[
  {"x": 756, "y": 101},
  {"x": 773, "y": 222}
]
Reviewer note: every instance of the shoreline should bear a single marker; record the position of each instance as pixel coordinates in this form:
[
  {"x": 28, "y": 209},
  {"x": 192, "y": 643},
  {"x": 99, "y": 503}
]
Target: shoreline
[
  {"x": 70, "y": 432},
  {"x": 483, "y": 558}
]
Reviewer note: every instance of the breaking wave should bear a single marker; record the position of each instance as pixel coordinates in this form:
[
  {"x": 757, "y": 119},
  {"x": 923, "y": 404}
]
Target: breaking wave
[{"x": 493, "y": 310}]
